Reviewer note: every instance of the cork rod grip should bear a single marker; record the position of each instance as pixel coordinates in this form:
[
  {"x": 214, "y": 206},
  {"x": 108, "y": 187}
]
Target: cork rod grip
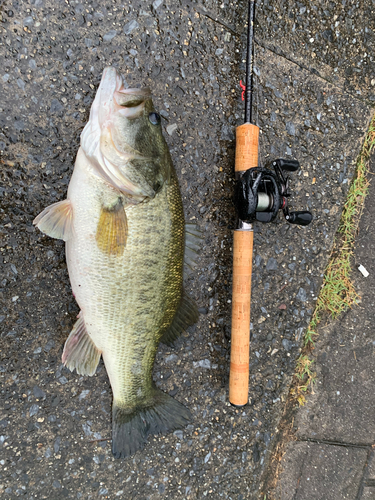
[
  {"x": 247, "y": 138},
  {"x": 240, "y": 336}
]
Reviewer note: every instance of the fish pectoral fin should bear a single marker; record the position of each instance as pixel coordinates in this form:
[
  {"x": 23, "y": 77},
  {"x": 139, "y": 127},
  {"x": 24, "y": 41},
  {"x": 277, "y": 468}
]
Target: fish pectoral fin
[
  {"x": 80, "y": 352},
  {"x": 193, "y": 245},
  {"x": 186, "y": 315},
  {"x": 131, "y": 426},
  {"x": 56, "y": 220},
  {"x": 112, "y": 229}
]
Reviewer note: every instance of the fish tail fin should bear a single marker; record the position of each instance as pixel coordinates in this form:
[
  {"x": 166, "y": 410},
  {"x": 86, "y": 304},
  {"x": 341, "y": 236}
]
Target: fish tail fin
[{"x": 131, "y": 427}]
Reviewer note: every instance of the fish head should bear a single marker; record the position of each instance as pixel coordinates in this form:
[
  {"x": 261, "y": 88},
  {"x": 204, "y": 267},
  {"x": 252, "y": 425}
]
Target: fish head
[{"x": 123, "y": 139}]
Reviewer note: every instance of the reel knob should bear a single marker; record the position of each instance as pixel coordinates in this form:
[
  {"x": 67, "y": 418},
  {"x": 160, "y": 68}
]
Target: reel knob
[
  {"x": 300, "y": 218},
  {"x": 287, "y": 165}
]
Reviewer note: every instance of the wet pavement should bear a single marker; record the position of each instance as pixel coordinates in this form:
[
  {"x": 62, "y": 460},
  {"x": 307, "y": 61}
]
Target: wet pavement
[
  {"x": 330, "y": 448},
  {"x": 54, "y": 425}
]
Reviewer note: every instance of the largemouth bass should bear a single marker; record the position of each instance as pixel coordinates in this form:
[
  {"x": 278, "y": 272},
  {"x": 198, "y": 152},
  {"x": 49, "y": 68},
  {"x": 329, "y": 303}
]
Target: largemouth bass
[{"x": 125, "y": 236}]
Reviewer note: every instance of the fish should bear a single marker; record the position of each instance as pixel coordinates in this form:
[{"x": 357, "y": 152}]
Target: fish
[{"x": 127, "y": 250}]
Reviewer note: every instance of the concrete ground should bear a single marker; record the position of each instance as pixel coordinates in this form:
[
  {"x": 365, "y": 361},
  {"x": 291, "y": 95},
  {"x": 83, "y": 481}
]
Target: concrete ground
[
  {"x": 314, "y": 83},
  {"x": 331, "y": 454}
]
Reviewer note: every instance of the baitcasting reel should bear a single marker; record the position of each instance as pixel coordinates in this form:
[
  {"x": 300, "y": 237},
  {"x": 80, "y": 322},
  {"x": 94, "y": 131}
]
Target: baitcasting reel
[{"x": 261, "y": 193}]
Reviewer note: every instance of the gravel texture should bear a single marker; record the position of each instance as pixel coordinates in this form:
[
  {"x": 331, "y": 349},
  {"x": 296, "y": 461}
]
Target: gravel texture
[{"x": 55, "y": 425}]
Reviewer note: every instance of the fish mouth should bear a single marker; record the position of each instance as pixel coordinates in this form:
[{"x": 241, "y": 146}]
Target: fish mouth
[
  {"x": 112, "y": 101},
  {"x": 113, "y": 98},
  {"x": 128, "y": 102}
]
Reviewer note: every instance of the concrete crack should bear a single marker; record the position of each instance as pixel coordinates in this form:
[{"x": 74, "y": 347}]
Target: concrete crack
[
  {"x": 214, "y": 19},
  {"x": 203, "y": 11},
  {"x": 311, "y": 70},
  {"x": 337, "y": 443}
]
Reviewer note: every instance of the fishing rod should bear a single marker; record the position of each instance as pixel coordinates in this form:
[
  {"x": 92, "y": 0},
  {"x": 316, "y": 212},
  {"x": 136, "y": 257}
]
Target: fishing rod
[{"x": 259, "y": 195}]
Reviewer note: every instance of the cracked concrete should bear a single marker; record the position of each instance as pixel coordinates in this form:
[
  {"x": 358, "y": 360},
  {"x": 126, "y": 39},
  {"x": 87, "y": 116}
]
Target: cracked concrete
[{"x": 312, "y": 465}]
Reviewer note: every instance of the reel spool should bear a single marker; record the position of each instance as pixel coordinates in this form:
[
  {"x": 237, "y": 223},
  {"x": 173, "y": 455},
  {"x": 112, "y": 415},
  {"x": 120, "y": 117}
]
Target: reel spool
[{"x": 261, "y": 193}]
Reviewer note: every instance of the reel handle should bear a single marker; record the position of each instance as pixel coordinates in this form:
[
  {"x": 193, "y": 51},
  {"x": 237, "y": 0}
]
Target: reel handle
[
  {"x": 288, "y": 165},
  {"x": 302, "y": 218}
]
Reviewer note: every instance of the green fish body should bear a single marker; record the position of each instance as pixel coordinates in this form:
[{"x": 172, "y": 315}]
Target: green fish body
[{"x": 124, "y": 229}]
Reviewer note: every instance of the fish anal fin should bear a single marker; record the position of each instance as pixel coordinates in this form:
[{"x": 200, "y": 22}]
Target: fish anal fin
[
  {"x": 185, "y": 316},
  {"x": 80, "y": 352},
  {"x": 56, "y": 220},
  {"x": 131, "y": 426},
  {"x": 112, "y": 229}
]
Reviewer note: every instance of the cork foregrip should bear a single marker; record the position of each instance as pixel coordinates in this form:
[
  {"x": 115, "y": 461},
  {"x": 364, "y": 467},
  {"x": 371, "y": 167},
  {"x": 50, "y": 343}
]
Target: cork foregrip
[{"x": 247, "y": 140}]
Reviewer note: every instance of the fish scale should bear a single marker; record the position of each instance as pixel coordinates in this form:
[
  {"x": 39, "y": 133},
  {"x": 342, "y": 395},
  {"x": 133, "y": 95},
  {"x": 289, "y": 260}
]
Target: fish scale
[
  {"x": 124, "y": 229},
  {"x": 137, "y": 292}
]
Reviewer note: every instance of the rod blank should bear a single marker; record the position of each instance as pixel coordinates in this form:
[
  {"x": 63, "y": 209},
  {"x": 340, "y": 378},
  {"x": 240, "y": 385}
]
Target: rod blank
[{"x": 249, "y": 63}]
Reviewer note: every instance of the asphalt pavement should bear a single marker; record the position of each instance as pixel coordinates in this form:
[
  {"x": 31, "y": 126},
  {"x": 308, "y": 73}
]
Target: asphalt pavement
[{"x": 314, "y": 92}]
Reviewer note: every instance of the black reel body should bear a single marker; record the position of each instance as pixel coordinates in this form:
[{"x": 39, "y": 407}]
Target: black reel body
[{"x": 261, "y": 193}]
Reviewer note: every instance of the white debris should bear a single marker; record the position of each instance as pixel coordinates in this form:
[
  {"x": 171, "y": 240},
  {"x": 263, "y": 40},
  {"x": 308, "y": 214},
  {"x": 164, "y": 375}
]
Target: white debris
[
  {"x": 203, "y": 363},
  {"x": 157, "y": 3},
  {"x": 83, "y": 394},
  {"x": 171, "y": 128},
  {"x": 363, "y": 270}
]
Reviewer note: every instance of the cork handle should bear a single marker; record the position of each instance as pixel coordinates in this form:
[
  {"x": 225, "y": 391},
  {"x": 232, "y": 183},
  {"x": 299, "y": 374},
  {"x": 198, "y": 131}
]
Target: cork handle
[
  {"x": 240, "y": 336},
  {"x": 247, "y": 140}
]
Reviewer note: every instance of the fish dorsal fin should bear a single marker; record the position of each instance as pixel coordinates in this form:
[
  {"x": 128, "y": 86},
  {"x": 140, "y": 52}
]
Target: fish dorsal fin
[
  {"x": 80, "y": 352},
  {"x": 112, "y": 229},
  {"x": 185, "y": 316},
  {"x": 56, "y": 220},
  {"x": 193, "y": 244}
]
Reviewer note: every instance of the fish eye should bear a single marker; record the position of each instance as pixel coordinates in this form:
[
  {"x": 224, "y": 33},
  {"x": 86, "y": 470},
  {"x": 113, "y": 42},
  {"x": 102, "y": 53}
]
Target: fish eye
[{"x": 154, "y": 118}]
